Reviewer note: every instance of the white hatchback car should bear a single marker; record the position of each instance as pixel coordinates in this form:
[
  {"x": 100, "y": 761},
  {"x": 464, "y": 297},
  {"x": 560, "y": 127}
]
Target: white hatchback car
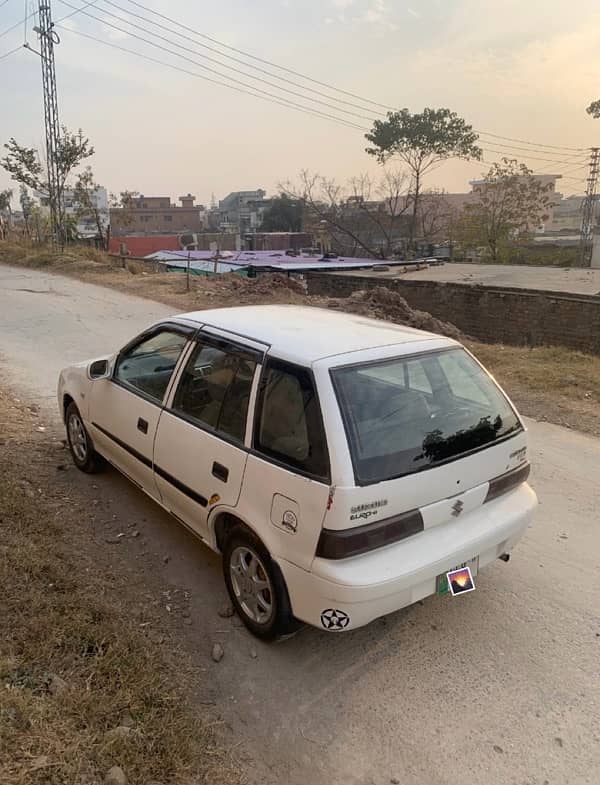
[{"x": 342, "y": 466}]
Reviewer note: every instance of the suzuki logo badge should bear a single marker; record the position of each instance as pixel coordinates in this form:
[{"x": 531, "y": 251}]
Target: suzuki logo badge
[{"x": 457, "y": 508}]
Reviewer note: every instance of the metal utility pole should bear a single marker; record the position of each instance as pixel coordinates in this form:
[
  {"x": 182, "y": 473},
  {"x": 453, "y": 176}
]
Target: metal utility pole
[
  {"x": 48, "y": 38},
  {"x": 588, "y": 208}
]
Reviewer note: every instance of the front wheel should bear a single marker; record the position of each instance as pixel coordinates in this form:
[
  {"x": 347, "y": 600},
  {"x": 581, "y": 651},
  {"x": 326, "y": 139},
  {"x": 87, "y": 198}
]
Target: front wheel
[
  {"x": 82, "y": 451},
  {"x": 256, "y": 586}
]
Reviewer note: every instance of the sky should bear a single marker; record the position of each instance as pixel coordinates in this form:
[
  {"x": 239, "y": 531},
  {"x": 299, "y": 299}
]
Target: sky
[{"x": 525, "y": 70}]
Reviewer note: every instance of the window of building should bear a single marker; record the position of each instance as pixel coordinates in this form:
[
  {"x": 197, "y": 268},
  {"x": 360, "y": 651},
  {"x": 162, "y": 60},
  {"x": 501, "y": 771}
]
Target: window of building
[{"x": 167, "y": 218}]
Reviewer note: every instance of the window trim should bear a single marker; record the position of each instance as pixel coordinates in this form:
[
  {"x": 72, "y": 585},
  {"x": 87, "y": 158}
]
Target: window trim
[
  {"x": 234, "y": 348},
  {"x": 173, "y": 327},
  {"x": 271, "y": 361},
  {"x": 361, "y": 483}
]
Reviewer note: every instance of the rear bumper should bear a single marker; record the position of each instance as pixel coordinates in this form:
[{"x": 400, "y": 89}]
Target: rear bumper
[{"x": 371, "y": 585}]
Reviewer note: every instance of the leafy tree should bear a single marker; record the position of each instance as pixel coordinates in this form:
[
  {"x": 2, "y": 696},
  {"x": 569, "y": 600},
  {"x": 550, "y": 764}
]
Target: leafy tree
[
  {"x": 421, "y": 141},
  {"x": 27, "y": 206},
  {"x": 85, "y": 198},
  {"x": 509, "y": 204},
  {"x": 5, "y": 209},
  {"x": 594, "y": 109},
  {"x": 283, "y": 215},
  {"x": 365, "y": 217},
  {"x": 123, "y": 202},
  {"x": 25, "y": 165}
]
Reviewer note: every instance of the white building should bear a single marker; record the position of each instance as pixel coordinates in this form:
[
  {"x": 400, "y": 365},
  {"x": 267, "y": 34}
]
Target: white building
[{"x": 86, "y": 224}]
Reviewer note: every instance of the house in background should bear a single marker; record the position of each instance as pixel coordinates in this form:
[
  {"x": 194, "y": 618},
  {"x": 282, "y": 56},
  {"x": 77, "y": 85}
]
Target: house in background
[
  {"x": 157, "y": 215},
  {"x": 240, "y": 212}
]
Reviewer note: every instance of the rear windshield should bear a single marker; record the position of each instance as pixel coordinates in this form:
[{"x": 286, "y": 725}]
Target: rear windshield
[{"x": 411, "y": 413}]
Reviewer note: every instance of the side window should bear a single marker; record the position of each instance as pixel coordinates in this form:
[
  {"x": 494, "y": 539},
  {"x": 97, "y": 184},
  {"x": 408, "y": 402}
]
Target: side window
[
  {"x": 464, "y": 377},
  {"x": 417, "y": 378},
  {"x": 149, "y": 364},
  {"x": 289, "y": 427},
  {"x": 214, "y": 390}
]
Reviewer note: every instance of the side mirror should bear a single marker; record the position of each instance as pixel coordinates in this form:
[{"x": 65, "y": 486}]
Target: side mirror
[{"x": 99, "y": 369}]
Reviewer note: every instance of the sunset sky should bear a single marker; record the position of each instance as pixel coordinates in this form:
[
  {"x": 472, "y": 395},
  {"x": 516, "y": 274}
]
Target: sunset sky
[{"x": 517, "y": 69}]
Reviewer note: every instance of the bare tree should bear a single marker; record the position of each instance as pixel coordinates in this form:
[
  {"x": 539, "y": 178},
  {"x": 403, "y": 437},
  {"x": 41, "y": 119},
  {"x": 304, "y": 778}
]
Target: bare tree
[
  {"x": 85, "y": 198},
  {"x": 510, "y": 203},
  {"x": 436, "y": 218},
  {"x": 364, "y": 216}
]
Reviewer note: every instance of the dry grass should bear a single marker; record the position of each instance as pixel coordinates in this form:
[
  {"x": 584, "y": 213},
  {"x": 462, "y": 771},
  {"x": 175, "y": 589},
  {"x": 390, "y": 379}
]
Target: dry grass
[
  {"x": 548, "y": 382},
  {"x": 61, "y": 617}
]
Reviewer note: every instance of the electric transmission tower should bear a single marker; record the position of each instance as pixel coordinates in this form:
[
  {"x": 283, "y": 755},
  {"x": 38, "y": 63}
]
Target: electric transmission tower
[
  {"x": 589, "y": 207},
  {"x": 48, "y": 38}
]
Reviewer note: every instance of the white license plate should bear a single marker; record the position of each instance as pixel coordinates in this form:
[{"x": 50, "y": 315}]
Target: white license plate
[{"x": 442, "y": 586}]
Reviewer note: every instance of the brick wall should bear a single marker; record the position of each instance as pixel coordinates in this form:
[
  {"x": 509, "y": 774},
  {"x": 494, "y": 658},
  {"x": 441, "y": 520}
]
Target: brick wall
[{"x": 492, "y": 314}]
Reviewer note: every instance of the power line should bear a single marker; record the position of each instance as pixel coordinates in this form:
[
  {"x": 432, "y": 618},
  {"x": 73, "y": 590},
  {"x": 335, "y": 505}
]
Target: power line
[
  {"x": 213, "y": 60},
  {"x": 259, "y": 59},
  {"x": 327, "y": 85},
  {"x": 280, "y": 101},
  {"x": 3, "y": 3},
  {"x": 236, "y": 59},
  {"x": 567, "y": 160},
  {"x": 536, "y": 144},
  {"x": 529, "y": 157},
  {"x": 16, "y": 24},
  {"x": 12, "y": 51}
]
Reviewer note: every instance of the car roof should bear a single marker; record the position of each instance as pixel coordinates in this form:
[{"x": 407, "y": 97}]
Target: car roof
[{"x": 304, "y": 334}]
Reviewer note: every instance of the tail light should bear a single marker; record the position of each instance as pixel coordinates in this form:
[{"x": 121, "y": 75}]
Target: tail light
[
  {"x": 351, "y": 542},
  {"x": 506, "y": 482}
]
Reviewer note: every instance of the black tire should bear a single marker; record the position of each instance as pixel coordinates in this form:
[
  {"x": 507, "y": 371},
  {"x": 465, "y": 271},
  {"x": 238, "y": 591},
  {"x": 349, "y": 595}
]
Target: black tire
[
  {"x": 280, "y": 620},
  {"x": 82, "y": 450}
]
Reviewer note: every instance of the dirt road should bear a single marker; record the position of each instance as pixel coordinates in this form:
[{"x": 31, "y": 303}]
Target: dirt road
[{"x": 500, "y": 687}]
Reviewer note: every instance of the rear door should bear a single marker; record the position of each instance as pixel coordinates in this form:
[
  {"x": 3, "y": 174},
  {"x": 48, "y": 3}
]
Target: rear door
[
  {"x": 124, "y": 410},
  {"x": 286, "y": 485},
  {"x": 201, "y": 445}
]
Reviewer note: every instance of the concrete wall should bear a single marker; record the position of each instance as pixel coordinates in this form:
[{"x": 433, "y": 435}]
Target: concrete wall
[{"x": 492, "y": 314}]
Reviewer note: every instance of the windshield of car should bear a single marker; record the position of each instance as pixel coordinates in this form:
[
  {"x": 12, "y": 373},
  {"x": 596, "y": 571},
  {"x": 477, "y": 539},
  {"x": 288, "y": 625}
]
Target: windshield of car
[{"x": 411, "y": 413}]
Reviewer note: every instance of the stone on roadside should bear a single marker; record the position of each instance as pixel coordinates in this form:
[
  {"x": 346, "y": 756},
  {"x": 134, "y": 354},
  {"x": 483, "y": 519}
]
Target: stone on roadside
[
  {"x": 226, "y": 612},
  {"x": 55, "y": 683},
  {"x": 217, "y": 652},
  {"x": 120, "y": 732},
  {"x": 127, "y": 720},
  {"x": 115, "y": 776}
]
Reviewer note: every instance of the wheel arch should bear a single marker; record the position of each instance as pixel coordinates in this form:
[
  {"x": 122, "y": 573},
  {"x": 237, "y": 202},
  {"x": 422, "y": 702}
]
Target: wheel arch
[
  {"x": 222, "y": 522},
  {"x": 67, "y": 399}
]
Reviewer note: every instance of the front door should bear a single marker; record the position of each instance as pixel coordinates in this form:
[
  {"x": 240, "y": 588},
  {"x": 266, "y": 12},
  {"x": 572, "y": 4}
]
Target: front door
[
  {"x": 200, "y": 452},
  {"x": 124, "y": 410}
]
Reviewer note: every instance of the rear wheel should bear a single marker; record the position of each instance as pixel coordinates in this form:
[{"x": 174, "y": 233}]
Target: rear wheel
[
  {"x": 82, "y": 451},
  {"x": 256, "y": 586}
]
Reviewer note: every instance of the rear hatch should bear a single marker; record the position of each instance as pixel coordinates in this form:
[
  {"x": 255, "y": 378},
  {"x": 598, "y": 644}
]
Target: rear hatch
[{"x": 431, "y": 436}]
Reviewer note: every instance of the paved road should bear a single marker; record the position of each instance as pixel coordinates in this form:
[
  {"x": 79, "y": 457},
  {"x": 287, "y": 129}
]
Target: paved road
[{"x": 500, "y": 687}]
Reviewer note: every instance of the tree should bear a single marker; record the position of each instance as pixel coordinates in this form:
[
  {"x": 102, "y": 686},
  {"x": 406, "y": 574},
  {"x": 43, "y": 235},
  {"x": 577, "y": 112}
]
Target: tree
[
  {"x": 85, "y": 199},
  {"x": 283, "y": 215},
  {"x": 5, "y": 209},
  {"x": 25, "y": 165},
  {"x": 594, "y": 109},
  {"x": 421, "y": 141},
  {"x": 364, "y": 217},
  {"x": 123, "y": 202},
  {"x": 509, "y": 204}
]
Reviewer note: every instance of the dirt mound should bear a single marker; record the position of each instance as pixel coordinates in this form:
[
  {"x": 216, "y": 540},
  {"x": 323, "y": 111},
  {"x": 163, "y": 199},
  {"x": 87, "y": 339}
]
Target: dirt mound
[
  {"x": 269, "y": 287},
  {"x": 381, "y": 303}
]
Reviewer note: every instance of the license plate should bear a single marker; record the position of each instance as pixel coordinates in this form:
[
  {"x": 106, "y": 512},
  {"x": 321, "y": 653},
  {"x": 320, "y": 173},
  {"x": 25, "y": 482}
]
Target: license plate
[{"x": 442, "y": 587}]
